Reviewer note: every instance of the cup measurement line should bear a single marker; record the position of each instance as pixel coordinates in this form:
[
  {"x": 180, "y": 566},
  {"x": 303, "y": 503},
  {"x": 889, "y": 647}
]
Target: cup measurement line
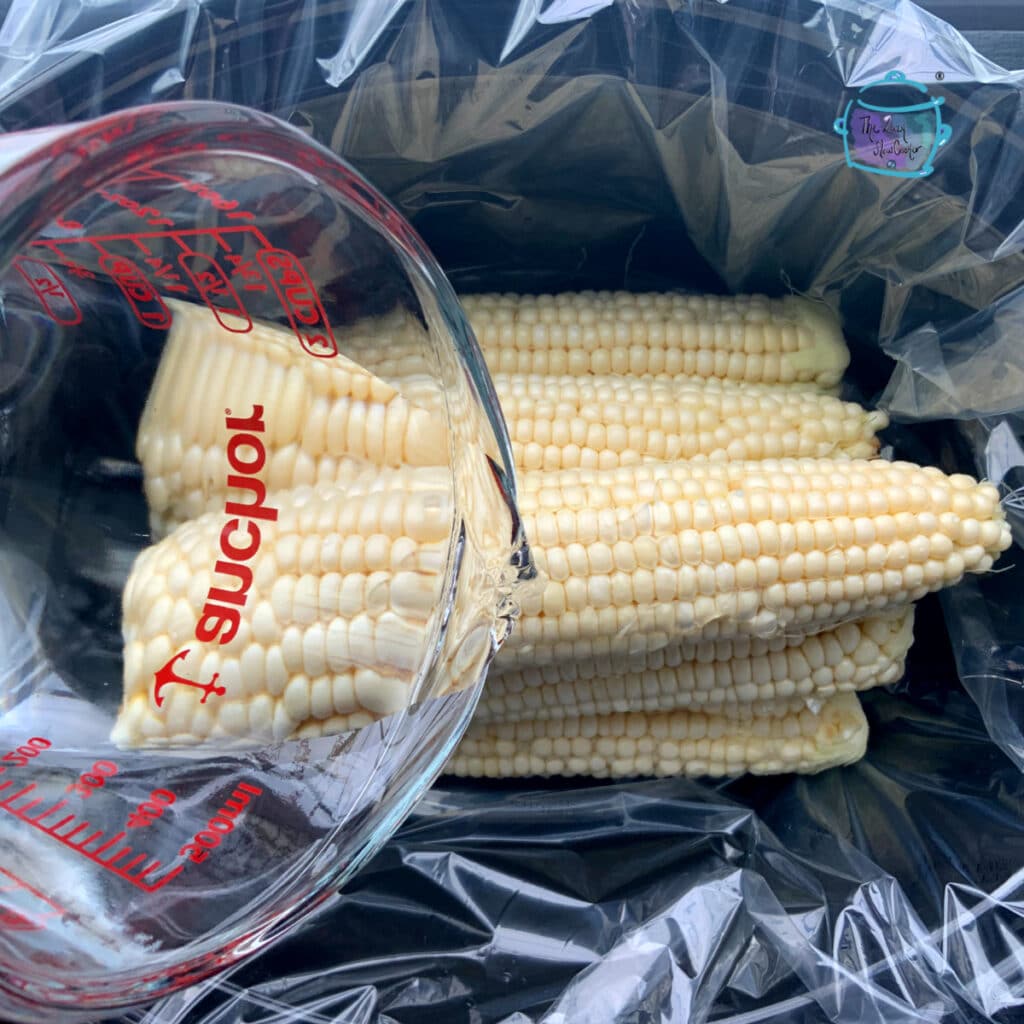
[
  {"x": 20, "y": 803},
  {"x": 243, "y": 261},
  {"x": 178, "y": 236}
]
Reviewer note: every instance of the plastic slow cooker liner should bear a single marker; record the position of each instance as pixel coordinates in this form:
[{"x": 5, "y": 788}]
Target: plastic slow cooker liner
[{"x": 542, "y": 147}]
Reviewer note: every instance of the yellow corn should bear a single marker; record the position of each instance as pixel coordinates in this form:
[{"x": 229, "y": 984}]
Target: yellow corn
[
  {"x": 640, "y": 557},
  {"x": 742, "y": 677},
  {"x": 666, "y": 743},
  {"x": 747, "y": 339}
]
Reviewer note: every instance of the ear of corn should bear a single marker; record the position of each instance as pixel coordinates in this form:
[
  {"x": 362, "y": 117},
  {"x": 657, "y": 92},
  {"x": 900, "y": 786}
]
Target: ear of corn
[
  {"x": 666, "y": 743},
  {"x": 333, "y": 549},
  {"x": 605, "y": 422},
  {"x": 334, "y": 624},
  {"x": 641, "y": 557},
  {"x": 327, "y": 419},
  {"x": 699, "y": 612},
  {"x": 737, "y": 678},
  {"x": 748, "y": 339}
]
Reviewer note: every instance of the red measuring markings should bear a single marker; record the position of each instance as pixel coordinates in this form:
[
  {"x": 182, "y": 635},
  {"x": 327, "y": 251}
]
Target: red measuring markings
[
  {"x": 150, "y": 810},
  {"x": 89, "y": 782},
  {"x": 165, "y": 274},
  {"x": 143, "y": 298},
  {"x": 20, "y": 756},
  {"x": 200, "y": 189},
  {"x": 220, "y": 824},
  {"x": 219, "y": 288},
  {"x": 150, "y": 214},
  {"x": 111, "y": 854},
  {"x": 50, "y": 291},
  {"x": 248, "y": 273},
  {"x": 108, "y": 130},
  {"x": 216, "y": 290},
  {"x": 300, "y": 302},
  {"x": 31, "y": 918}
]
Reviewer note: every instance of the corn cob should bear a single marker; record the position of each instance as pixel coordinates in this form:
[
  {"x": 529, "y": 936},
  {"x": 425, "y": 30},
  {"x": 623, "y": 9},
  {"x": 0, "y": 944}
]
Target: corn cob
[
  {"x": 730, "y": 563},
  {"x": 327, "y": 419},
  {"x": 666, "y": 743},
  {"x": 644, "y": 556},
  {"x": 631, "y": 529},
  {"x": 605, "y": 422},
  {"x": 747, "y": 339},
  {"x": 736, "y": 678},
  {"x": 334, "y": 624}
]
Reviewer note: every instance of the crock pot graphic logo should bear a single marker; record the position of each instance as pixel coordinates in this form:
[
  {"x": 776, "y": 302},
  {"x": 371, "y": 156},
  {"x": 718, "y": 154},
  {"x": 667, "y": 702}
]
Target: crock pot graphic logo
[{"x": 891, "y": 128}]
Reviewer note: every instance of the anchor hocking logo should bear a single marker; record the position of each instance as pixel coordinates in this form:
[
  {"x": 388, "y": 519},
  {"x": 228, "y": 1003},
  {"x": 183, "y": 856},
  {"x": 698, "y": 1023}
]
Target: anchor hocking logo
[
  {"x": 167, "y": 675},
  {"x": 222, "y": 611}
]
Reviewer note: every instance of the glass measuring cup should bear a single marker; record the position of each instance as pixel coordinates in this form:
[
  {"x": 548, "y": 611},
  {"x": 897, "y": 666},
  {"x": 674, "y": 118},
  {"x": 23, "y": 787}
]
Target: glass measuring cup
[{"x": 248, "y": 586}]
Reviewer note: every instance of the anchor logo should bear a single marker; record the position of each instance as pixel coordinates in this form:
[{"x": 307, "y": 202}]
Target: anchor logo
[{"x": 166, "y": 675}]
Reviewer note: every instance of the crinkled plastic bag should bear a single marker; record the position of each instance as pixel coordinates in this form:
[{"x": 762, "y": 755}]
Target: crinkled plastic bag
[
  {"x": 555, "y": 144},
  {"x": 881, "y": 893}
]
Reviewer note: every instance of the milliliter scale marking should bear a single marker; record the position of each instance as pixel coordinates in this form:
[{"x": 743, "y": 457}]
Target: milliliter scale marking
[
  {"x": 111, "y": 852},
  {"x": 74, "y": 833}
]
